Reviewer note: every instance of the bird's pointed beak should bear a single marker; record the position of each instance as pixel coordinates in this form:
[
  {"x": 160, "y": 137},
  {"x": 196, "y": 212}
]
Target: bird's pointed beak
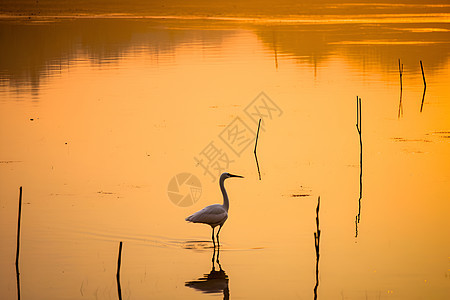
[{"x": 232, "y": 175}]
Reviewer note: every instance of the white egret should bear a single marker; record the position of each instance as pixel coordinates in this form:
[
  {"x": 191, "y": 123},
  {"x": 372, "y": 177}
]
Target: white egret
[{"x": 215, "y": 214}]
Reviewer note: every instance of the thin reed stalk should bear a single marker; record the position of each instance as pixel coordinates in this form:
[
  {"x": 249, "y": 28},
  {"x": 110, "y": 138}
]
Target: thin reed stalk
[{"x": 254, "y": 151}]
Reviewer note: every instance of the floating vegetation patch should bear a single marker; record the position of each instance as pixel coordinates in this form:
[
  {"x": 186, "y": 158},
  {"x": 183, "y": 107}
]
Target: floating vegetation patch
[
  {"x": 398, "y": 139},
  {"x": 441, "y": 134},
  {"x": 105, "y": 193},
  {"x": 300, "y": 195}
]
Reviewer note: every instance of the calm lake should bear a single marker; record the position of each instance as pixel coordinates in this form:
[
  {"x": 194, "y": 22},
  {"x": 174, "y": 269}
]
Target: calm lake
[{"x": 100, "y": 115}]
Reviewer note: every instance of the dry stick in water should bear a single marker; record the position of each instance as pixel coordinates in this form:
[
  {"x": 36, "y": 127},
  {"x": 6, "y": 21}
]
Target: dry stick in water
[
  {"x": 18, "y": 230},
  {"x": 18, "y": 285},
  {"x": 254, "y": 151},
  {"x": 359, "y": 129},
  {"x": 424, "y": 86},
  {"x": 18, "y": 244},
  {"x": 400, "y": 69},
  {"x": 119, "y": 289},
  {"x": 316, "y": 244}
]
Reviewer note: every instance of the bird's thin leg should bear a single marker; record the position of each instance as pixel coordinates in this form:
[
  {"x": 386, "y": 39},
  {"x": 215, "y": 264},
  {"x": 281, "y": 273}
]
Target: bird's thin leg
[
  {"x": 214, "y": 243},
  {"x": 218, "y": 253},
  {"x": 214, "y": 254},
  {"x": 218, "y": 244}
]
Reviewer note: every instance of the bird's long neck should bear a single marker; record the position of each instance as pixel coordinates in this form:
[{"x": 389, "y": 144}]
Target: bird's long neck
[{"x": 226, "y": 203}]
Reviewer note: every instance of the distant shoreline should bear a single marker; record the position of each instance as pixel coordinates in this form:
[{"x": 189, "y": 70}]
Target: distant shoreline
[
  {"x": 250, "y": 10},
  {"x": 291, "y": 19}
]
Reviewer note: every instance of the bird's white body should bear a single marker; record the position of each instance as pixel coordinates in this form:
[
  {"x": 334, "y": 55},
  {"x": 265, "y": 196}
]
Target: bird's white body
[
  {"x": 212, "y": 215},
  {"x": 215, "y": 214}
]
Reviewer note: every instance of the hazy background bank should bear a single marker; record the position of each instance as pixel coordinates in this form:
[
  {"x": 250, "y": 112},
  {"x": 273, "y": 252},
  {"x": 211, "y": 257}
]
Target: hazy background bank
[
  {"x": 104, "y": 41},
  {"x": 219, "y": 8}
]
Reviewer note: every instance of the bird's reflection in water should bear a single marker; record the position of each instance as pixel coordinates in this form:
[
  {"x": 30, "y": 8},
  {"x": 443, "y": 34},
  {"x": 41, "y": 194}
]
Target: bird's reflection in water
[{"x": 214, "y": 282}]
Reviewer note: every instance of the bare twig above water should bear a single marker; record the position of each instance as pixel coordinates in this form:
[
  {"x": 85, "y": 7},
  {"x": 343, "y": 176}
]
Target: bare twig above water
[
  {"x": 119, "y": 261},
  {"x": 316, "y": 244},
  {"x": 358, "y": 114},
  {"x": 254, "y": 151},
  {"x": 359, "y": 129},
  {"x": 18, "y": 229},
  {"x": 423, "y": 75},
  {"x": 400, "y": 107},
  {"x": 424, "y": 86},
  {"x": 18, "y": 285},
  {"x": 18, "y": 243}
]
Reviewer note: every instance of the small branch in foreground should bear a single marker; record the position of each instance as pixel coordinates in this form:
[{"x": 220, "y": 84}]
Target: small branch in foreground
[
  {"x": 119, "y": 260},
  {"x": 254, "y": 151},
  {"x": 18, "y": 230},
  {"x": 359, "y": 129},
  {"x": 424, "y": 86},
  {"x": 316, "y": 244}
]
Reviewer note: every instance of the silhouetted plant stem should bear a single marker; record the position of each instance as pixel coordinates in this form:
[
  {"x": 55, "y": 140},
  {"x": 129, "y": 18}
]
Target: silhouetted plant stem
[
  {"x": 359, "y": 129},
  {"x": 254, "y": 151},
  {"x": 18, "y": 230},
  {"x": 316, "y": 245},
  {"x": 423, "y": 74},
  {"x": 18, "y": 285},
  {"x": 18, "y": 243},
  {"x": 119, "y": 259},
  {"x": 424, "y": 86}
]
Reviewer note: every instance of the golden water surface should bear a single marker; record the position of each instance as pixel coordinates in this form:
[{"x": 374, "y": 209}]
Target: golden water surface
[{"x": 99, "y": 113}]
